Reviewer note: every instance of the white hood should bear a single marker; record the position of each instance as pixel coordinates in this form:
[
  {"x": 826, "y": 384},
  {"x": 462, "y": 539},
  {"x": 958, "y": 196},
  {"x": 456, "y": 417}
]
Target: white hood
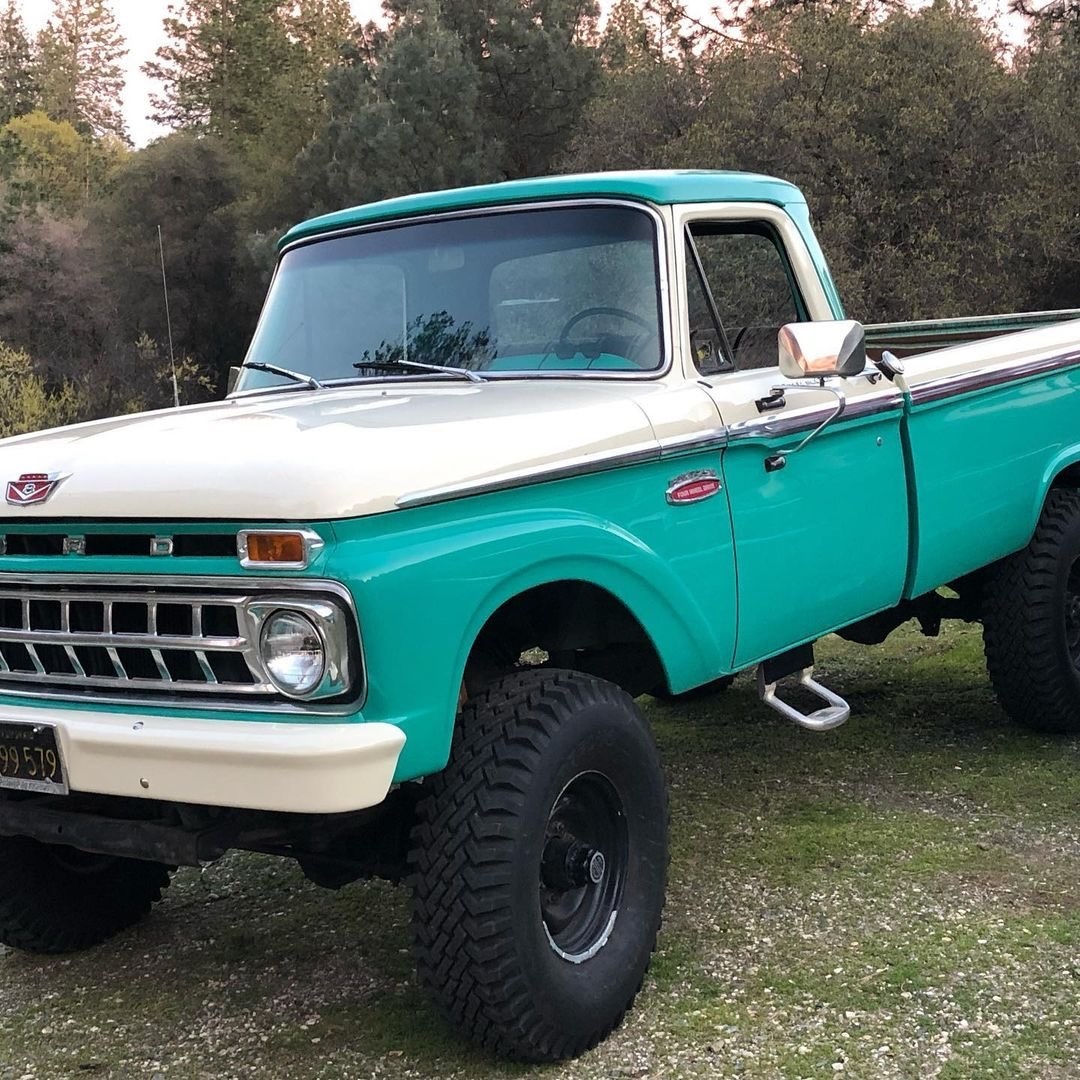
[{"x": 320, "y": 455}]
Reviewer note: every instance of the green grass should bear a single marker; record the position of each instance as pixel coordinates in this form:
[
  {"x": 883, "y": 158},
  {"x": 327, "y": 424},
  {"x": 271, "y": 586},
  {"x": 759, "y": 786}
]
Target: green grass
[{"x": 899, "y": 897}]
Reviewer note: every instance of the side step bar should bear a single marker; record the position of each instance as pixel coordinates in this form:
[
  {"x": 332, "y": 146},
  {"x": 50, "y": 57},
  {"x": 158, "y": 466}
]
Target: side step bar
[{"x": 835, "y": 712}]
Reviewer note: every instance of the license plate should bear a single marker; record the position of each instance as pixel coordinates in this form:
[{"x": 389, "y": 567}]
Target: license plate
[{"x": 30, "y": 758}]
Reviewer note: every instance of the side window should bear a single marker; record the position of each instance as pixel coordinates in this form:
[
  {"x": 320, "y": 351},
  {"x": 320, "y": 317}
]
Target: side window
[
  {"x": 752, "y": 286},
  {"x": 707, "y": 345}
]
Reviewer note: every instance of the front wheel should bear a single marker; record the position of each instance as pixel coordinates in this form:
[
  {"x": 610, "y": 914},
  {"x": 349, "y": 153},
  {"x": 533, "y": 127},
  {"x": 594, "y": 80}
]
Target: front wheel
[
  {"x": 1031, "y": 622},
  {"x": 539, "y": 865}
]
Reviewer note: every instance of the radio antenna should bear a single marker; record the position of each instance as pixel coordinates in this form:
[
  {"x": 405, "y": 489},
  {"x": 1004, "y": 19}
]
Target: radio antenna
[{"x": 168, "y": 320}]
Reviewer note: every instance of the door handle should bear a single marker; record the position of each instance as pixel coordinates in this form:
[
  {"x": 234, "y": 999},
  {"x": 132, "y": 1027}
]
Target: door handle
[{"x": 775, "y": 400}]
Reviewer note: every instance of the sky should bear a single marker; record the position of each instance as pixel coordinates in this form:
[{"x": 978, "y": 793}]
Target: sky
[{"x": 141, "y": 24}]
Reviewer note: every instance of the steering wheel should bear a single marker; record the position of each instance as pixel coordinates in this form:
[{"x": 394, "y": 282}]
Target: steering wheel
[{"x": 564, "y": 347}]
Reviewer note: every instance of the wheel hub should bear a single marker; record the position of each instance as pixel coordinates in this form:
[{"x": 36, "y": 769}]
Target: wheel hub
[
  {"x": 569, "y": 864},
  {"x": 583, "y": 866}
]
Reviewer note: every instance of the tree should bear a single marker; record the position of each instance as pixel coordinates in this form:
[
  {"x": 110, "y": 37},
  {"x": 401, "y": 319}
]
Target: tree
[
  {"x": 627, "y": 41},
  {"x": 44, "y": 162},
  {"x": 48, "y": 163},
  {"x": 221, "y": 67},
  {"x": 317, "y": 30},
  {"x": 1051, "y": 18},
  {"x": 903, "y": 134},
  {"x": 26, "y": 404},
  {"x": 1045, "y": 220},
  {"x": 55, "y": 306},
  {"x": 403, "y": 116},
  {"x": 81, "y": 77},
  {"x": 18, "y": 85},
  {"x": 189, "y": 185},
  {"x": 650, "y": 94},
  {"x": 538, "y": 68}
]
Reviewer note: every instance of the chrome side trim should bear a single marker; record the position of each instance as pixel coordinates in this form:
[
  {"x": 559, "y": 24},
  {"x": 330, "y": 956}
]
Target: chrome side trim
[
  {"x": 674, "y": 446},
  {"x": 161, "y": 591},
  {"x": 776, "y": 427},
  {"x": 711, "y": 439},
  {"x": 996, "y": 375},
  {"x": 542, "y": 474}
]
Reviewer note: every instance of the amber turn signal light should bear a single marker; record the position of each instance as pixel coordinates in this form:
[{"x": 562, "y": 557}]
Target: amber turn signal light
[{"x": 291, "y": 550}]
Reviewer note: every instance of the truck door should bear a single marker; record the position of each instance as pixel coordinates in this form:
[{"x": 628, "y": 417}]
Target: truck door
[{"x": 821, "y": 533}]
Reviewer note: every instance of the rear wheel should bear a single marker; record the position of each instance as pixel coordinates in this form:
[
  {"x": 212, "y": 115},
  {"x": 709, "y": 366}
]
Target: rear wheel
[
  {"x": 539, "y": 865},
  {"x": 1031, "y": 622},
  {"x": 55, "y": 899}
]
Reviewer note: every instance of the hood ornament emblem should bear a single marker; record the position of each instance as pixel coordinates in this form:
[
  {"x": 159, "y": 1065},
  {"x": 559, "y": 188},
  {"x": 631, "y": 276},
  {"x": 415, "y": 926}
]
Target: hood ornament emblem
[{"x": 32, "y": 488}]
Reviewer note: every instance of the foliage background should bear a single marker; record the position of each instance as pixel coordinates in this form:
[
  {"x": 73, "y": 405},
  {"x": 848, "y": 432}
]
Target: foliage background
[{"x": 942, "y": 167}]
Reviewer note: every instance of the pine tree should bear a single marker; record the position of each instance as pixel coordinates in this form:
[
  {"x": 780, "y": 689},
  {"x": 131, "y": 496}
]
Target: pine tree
[
  {"x": 319, "y": 28},
  {"x": 316, "y": 31},
  {"x": 627, "y": 40},
  {"x": 221, "y": 68},
  {"x": 18, "y": 86},
  {"x": 538, "y": 69},
  {"x": 82, "y": 81},
  {"x": 403, "y": 116}
]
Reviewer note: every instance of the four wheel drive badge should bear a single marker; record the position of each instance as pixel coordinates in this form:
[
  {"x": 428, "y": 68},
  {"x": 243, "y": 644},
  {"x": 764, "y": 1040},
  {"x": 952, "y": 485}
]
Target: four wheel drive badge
[
  {"x": 32, "y": 488},
  {"x": 693, "y": 487}
]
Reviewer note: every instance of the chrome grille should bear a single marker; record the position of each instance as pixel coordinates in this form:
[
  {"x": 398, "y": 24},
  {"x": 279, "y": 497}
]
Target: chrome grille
[{"x": 203, "y": 643}]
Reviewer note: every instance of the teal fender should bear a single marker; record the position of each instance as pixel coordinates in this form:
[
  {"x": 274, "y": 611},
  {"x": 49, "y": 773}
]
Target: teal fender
[{"x": 426, "y": 581}]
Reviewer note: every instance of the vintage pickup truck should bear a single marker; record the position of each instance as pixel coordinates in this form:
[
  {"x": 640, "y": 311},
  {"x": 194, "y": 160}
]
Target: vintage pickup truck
[{"x": 499, "y": 460}]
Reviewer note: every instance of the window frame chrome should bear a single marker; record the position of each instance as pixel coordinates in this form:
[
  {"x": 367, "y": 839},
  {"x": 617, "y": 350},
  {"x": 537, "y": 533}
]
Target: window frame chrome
[
  {"x": 795, "y": 252},
  {"x": 664, "y": 278}
]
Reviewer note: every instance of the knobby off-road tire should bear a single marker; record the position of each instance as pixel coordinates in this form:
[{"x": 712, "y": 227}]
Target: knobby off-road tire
[
  {"x": 56, "y": 899},
  {"x": 1031, "y": 622},
  {"x": 539, "y": 865}
]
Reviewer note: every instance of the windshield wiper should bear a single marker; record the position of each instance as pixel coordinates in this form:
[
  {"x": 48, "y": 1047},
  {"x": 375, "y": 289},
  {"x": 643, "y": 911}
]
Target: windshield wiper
[
  {"x": 387, "y": 365},
  {"x": 285, "y": 373}
]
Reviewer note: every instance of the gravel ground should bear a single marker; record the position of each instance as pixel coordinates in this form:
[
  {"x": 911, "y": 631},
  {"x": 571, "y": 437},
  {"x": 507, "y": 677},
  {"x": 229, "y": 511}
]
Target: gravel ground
[{"x": 899, "y": 898}]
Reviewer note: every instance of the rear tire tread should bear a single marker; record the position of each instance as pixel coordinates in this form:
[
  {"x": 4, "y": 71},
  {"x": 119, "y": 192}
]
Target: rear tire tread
[
  {"x": 41, "y": 913},
  {"x": 1022, "y": 620}
]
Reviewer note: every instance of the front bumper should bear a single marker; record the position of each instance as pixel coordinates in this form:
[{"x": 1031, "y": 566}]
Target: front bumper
[{"x": 312, "y": 768}]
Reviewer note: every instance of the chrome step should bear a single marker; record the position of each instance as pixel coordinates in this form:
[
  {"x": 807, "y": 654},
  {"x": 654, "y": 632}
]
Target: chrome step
[{"x": 835, "y": 712}]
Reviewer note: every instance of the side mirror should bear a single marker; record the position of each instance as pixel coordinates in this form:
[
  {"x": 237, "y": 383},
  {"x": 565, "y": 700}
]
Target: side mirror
[{"x": 820, "y": 350}]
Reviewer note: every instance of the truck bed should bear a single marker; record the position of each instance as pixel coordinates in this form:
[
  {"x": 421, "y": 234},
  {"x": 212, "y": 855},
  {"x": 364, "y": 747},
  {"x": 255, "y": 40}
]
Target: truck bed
[{"x": 907, "y": 338}]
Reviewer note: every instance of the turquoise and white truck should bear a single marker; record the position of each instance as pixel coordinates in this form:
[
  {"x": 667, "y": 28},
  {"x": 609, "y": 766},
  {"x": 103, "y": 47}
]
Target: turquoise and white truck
[{"x": 499, "y": 460}]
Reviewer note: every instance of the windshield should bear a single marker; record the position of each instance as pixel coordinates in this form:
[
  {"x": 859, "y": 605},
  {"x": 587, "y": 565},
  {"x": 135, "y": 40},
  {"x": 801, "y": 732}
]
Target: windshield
[{"x": 516, "y": 293}]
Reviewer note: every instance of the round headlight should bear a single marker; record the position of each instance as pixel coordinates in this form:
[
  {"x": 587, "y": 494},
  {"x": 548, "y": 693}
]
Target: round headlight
[{"x": 293, "y": 653}]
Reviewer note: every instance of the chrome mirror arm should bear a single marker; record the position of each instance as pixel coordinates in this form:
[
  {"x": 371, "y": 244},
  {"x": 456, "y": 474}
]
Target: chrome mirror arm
[{"x": 841, "y": 405}]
